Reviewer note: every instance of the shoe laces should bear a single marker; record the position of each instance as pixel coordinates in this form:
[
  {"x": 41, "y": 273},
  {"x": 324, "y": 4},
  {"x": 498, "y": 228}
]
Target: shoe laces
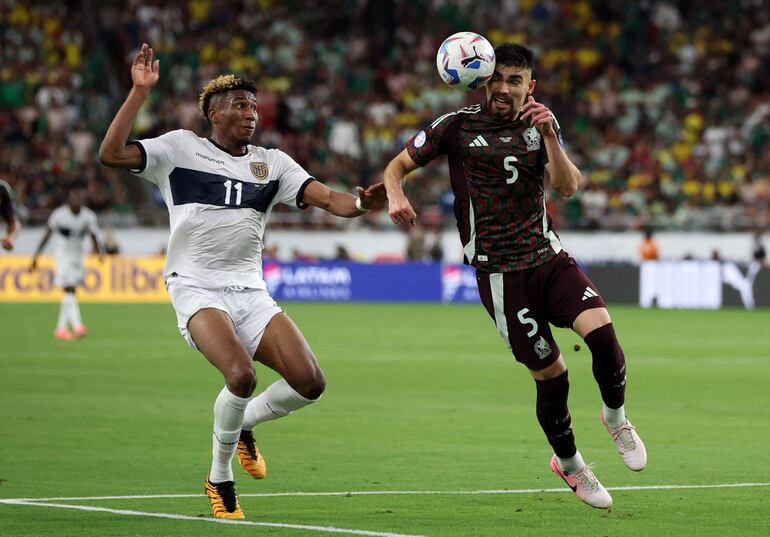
[
  {"x": 625, "y": 435},
  {"x": 248, "y": 439},
  {"x": 226, "y": 490},
  {"x": 586, "y": 480}
]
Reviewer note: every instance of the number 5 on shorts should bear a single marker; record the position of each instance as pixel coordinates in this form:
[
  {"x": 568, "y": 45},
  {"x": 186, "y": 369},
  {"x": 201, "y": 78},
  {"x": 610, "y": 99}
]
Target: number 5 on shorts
[{"x": 523, "y": 319}]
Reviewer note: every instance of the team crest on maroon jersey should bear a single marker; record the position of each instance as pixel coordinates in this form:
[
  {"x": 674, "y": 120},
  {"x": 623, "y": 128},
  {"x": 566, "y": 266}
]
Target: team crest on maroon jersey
[
  {"x": 532, "y": 138},
  {"x": 259, "y": 169}
]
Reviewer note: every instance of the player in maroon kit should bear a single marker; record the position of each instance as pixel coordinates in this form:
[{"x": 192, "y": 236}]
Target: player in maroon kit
[{"x": 500, "y": 154}]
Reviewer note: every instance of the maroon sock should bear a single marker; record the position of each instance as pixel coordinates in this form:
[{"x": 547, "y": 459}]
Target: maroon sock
[
  {"x": 609, "y": 365},
  {"x": 553, "y": 414}
]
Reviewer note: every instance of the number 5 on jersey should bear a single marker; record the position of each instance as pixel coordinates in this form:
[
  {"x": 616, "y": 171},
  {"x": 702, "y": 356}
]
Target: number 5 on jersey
[
  {"x": 238, "y": 191},
  {"x": 508, "y": 164}
]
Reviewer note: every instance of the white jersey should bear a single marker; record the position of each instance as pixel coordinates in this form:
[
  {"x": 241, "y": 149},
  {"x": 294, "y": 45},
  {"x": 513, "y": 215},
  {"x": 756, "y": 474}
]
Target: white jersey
[
  {"x": 218, "y": 205},
  {"x": 70, "y": 230}
]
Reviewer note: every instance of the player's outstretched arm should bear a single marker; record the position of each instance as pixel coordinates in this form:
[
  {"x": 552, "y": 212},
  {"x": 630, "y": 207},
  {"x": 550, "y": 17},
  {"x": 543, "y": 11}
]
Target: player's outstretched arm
[
  {"x": 97, "y": 247},
  {"x": 114, "y": 152},
  {"x": 343, "y": 204},
  {"x": 399, "y": 208},
  {"x": 40, "y": 247}
]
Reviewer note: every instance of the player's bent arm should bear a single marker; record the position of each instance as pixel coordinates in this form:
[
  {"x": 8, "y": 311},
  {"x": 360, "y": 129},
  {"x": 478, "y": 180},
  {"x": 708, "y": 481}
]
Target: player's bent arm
[
  {"x": 337, "y": 203},
  {"x": 396, "y": 171},
  {"x": 563, "y": 175},
  {"x": 114, "y": 152},
  {"x": 13, "y": 227},
  {"x": 399, "y": 208}
]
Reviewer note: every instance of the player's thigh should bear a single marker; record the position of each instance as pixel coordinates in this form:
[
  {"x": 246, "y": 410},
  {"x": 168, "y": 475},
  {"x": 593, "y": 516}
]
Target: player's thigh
[
  {"x": 214, "y": 335},
  {"x": 512, "y": 300},
  {"x": 284, "y": 349},
  {"x": 571, "y": 295}
]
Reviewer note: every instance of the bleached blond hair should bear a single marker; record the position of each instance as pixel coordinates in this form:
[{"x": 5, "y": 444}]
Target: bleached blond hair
[{"x": 222, "y": 84}]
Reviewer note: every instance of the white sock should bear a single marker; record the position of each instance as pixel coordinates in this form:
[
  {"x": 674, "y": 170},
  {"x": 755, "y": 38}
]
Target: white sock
[
  {"x": 572, "y": 464},
  {"x": 228, "y": 415},
  {"x": 61, "y": 324},
  {"x": 277, "y": 401},
  {"x": 74, "y": 311},
  {"x": 615, "y": 417}
]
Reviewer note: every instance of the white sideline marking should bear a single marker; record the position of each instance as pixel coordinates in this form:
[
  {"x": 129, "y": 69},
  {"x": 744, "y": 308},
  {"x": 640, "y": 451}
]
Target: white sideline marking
[
  {"x": 381, "y": 493},
  {"x": 325, "y": 529}
]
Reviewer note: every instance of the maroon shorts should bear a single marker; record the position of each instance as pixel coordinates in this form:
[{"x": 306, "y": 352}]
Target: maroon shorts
[{"x": 524, "y": 302}]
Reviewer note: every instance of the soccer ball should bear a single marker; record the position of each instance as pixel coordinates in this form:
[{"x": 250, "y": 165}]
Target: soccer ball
[{"x": 465, "y": 60}]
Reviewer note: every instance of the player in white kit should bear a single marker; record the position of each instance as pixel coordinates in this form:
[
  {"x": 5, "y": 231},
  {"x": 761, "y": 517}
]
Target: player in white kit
[
  {"x": 70, "y": 224},
  {"x": 219, "y": 192}
]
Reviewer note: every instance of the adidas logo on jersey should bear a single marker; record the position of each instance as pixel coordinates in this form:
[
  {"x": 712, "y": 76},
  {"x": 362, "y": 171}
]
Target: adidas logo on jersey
[
  {"x": 479, "y": 141},
  {"x": 590, "y": 293}
]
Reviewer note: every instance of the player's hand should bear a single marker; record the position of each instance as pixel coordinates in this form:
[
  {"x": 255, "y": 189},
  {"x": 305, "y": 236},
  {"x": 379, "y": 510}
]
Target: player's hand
[
  {"x": 540, "y": 116},
  {"x": 400, "y": 210},
  {"x": 144, "y": 71},
  {"x": 374, "y": 197},
  {"x": 7, "y": 244}
]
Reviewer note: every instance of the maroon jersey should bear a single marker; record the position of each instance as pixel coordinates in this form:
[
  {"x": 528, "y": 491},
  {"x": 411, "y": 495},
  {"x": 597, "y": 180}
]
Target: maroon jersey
[{"x": 497, "y": 171}]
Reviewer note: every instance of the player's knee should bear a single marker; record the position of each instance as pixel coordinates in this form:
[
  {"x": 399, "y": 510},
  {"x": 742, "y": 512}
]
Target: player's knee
[
  {"x": 603, "y": 343},
  {"x": 241, "y": 380},
  {"x": 312, "y": 384}
]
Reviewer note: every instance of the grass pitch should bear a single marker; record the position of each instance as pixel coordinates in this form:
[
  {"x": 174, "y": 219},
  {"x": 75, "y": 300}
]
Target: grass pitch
[{"x": 420, "y": 398}]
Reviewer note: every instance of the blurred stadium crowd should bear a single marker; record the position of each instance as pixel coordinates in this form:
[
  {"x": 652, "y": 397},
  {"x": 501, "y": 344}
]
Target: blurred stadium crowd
[{"x": 664, "y": 105}]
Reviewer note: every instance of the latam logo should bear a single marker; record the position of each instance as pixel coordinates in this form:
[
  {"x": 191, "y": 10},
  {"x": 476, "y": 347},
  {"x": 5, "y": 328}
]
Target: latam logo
[
  {"x": 307, "y": 282},
  {"x": 458, "y": 284}
]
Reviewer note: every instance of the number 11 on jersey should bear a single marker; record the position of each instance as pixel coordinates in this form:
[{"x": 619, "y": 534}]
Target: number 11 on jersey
[{"x": 238, "y": 191}]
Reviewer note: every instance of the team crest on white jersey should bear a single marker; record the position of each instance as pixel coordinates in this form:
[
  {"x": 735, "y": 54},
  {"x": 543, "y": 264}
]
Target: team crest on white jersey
[
  {"x": 542, "y": 348},
  {"x": 259, "y": 169},
  {"x": 532, "y": 138}
]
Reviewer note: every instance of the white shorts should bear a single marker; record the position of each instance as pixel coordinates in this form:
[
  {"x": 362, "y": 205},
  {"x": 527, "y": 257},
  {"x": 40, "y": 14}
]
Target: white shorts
[
  {"x": 249, "y": 309},
  {"x": 69, "y": 273}
]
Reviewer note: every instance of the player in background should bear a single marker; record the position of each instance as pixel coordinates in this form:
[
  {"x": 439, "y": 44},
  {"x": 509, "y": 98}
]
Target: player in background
[
  {"x": 8, "y": 213},
  {"x": 70, "y": 223},
  {"x": 219, "y": 192},
  {"x": 500, "y": 153}
]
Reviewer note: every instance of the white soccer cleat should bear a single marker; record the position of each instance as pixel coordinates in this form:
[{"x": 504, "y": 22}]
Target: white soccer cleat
[
  {"x": 630, "y": 446},
  {"x": 585, "y": 485}
]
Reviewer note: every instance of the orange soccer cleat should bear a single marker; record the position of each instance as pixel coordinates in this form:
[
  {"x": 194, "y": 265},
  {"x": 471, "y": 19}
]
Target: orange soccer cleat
[
  {"x": 250, "y": 457},
  {"x": 224, "y": 500}
]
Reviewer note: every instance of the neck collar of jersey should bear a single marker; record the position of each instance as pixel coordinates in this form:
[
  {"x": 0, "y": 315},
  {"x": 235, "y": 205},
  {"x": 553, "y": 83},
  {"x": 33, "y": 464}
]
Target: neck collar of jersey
[{"x": 226, "y": 151}]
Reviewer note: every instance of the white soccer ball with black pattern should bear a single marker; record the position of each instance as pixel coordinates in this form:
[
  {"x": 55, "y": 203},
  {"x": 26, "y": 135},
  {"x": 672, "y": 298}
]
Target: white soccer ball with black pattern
[{"x": 465, "y": 60}]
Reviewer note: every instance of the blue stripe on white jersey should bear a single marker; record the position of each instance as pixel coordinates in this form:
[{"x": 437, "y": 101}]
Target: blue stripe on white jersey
[{"x": 196, "y": 186}]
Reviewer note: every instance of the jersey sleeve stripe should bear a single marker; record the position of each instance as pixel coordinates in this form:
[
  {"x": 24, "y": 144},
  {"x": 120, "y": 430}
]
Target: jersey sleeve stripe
[
  {"x": 301, "y": 193},
  {"x": 473, "y": 109},
  {"x": 138, "y": 144}
]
